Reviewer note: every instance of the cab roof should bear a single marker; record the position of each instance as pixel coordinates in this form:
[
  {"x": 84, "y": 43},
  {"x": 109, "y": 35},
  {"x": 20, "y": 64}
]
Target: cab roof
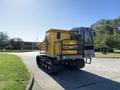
[{"x": 57, "y": 30}]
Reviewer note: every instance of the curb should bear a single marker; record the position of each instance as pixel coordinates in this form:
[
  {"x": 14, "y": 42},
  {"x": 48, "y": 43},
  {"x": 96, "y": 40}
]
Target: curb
[
  {"x": 30, "y": 84},
  {"x": 31, "y": 80}
]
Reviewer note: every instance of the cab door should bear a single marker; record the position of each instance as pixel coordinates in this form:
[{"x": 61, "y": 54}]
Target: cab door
[
  {"x": 88, "y": 43},
  {"x": 87, "y": 39}
]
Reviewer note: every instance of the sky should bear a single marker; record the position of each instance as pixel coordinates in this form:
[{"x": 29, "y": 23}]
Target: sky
[{"x": 30, "y": 19}]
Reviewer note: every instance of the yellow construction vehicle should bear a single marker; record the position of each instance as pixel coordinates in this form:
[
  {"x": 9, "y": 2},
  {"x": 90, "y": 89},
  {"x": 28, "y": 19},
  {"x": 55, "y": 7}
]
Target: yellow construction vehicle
[{"x": 65, "y": 48}]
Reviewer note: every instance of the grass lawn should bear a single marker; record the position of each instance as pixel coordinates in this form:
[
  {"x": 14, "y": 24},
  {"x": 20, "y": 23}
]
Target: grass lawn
[
  {"x": 13, "y": 74},
  {"x": 15, "y": 50},
  {"x": 117, "y": 51},
  {"x": 108, "y": 55}
]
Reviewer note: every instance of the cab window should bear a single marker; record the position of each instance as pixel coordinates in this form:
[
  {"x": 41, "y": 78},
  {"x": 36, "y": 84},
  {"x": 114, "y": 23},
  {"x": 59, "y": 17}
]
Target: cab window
[
  {"x": 75, "y": 35},
  {"x": 88, "y": 37},
  {"x": 58, "y": 35}
]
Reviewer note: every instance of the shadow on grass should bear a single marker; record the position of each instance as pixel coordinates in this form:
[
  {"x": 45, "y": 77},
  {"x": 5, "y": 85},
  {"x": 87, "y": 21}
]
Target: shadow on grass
[{"x": 82, "y": 80}]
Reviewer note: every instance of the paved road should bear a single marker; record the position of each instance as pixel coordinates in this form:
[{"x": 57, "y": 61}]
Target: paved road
[{"x": 102, "y": 74}]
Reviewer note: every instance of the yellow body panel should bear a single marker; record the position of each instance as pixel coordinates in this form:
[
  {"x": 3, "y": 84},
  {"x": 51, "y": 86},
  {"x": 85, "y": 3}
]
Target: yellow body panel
[
  {"x": 55, "y": 48},
  {"x": 53, "y": 45},
  {"x": 72, "y": 44}
]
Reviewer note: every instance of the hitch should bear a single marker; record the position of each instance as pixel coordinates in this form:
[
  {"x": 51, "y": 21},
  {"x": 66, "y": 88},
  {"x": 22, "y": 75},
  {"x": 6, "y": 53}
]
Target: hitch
[{"x": 88, "y": 60}]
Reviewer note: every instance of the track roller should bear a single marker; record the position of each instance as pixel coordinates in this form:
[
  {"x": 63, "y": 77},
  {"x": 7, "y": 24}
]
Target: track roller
[
  {"x": 74, "y": 64},
  {"x": 47, "y": 64}
]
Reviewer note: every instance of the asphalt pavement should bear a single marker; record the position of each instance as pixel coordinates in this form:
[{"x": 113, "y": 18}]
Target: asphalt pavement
[{"x": 102, "y": 74}]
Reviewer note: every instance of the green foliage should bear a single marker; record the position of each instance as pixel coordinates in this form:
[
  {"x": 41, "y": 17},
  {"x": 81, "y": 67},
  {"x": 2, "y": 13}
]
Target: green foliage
[
  {"x": 107, "y": 34},
  {"x": 3, "y": 40},
  {"x": 16, "y": 43},
  {"x": 6, "y": 43}
]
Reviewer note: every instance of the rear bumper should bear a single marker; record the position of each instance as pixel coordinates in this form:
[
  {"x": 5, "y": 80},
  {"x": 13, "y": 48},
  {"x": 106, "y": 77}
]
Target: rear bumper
[{"x": 69, "y": 57}]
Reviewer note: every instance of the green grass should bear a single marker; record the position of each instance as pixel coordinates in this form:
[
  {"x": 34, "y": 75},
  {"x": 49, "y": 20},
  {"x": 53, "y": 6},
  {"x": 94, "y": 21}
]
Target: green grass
[
  {"x": 108, "y": 55},
  {"x": 13, "y": 74},
  {"x": 117, "y": 51},
  {"x": 15, "y": 50}
]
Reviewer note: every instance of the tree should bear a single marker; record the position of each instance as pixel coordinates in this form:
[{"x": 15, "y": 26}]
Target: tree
[
  {"x": 16, "y": 43},
  {"x": 107, "y": 34},
  {"x": 3, "y": 40}
]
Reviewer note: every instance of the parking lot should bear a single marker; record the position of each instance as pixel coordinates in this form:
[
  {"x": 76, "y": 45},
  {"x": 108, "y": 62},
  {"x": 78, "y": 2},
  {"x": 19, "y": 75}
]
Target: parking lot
[{"x": 102, "y": 74}]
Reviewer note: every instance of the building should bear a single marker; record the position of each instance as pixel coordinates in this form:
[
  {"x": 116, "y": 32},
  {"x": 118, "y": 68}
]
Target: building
[{"x": 29, "y": 45}]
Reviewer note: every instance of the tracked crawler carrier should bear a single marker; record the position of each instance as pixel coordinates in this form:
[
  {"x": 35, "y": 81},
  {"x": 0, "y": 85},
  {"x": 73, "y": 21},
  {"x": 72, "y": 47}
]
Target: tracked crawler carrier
[{"x": 66, "y": 48}]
